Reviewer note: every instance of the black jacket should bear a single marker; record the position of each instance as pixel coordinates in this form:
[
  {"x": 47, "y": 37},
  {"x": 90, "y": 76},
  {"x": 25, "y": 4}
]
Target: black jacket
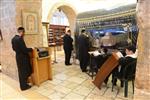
[
  {"x": 83, "y": 47},
  {"x": 127, "y": 67},
  {"x": 67, "y": 42},
  {"x": 22, "y": 56},
  {"x": 83, "y": 44}
]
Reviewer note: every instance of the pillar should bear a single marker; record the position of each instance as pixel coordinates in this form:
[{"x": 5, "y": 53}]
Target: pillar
[
  {"x": 142, "y": 80},
  {"x": 11, "y": 18}
]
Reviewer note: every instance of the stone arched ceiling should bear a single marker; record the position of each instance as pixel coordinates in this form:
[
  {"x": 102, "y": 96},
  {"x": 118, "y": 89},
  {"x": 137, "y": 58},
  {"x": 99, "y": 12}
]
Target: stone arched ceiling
[{"x": 68, "y": 9}]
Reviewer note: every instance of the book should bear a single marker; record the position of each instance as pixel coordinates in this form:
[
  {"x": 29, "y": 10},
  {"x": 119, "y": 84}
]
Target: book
[
  {"x": 119, "y": 54},
  {"x": 95, "y": 53}
]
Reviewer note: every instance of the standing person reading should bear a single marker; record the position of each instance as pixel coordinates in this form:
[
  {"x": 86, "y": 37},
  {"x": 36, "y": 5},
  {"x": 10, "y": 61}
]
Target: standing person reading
[
  {"x": 83, "y": 50},
  {"x": 22, "y": 58}
]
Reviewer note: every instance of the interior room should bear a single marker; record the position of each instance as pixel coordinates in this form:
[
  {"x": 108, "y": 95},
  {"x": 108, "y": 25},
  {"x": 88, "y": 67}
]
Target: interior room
[{"x": 74, "y": 49}]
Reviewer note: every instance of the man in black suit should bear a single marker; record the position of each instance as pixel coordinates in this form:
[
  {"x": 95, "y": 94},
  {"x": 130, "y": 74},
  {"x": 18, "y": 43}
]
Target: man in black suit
[
  {"x": 22, "y": 58},
  {"x": 68, "y": 47},
  {"x": 123, "y": 61},
  {"x": 83, "y": 50},
  {"x": 130, "y": 56}
]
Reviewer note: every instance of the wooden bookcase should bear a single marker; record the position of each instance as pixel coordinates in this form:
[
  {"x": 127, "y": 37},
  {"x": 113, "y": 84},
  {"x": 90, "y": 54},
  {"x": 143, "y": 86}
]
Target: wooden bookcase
[{"x": 55, "y": 34}]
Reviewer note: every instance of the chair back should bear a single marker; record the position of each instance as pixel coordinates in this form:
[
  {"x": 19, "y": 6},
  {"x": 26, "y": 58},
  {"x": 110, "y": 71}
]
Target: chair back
[{"x": 129, "y": 72}]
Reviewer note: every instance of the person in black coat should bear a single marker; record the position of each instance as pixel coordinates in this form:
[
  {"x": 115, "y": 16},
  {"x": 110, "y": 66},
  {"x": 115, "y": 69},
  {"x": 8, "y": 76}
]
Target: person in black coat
[
  {"x": 123, "y": 61},
  {"x": 130, "y": 56},
  {"x": 68, "y": 47},
  {"x": 22, "y": 58},
  {"x": 83, "y": 50}
]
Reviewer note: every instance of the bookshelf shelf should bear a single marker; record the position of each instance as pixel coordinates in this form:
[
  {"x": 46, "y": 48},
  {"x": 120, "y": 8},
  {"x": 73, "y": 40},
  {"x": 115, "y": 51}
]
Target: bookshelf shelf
[{"x": 55, "y": 34}]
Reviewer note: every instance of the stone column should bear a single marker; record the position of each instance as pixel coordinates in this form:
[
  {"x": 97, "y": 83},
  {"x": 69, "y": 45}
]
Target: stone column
[
  {"x": 142, "y": 80},
  {"x": 11, "y": 18},
  {"x": 8, "y": 28}
]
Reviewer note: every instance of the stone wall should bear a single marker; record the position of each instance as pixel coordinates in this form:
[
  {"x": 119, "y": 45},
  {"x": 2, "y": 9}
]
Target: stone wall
[
  {"x": 8, "y": 28},
  {"x": 11, "y": 18},
  {"x": 142, "y": 81},
  {"x": 34, "y": 6}
]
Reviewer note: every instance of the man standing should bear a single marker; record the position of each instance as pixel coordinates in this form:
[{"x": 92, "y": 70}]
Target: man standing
[
  {"x": 68, "y": 47},
  {"x": 83, "y": 50},
  {"x": 22, "y": 58}
]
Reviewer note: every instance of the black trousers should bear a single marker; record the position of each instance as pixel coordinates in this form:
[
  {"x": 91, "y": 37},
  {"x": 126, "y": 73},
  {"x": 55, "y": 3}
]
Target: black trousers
[
  {"x": 83, "y": 64},
  {"x": 67, "y": 56},
  {"x": 24, "y": 70},
  {"x": 22, "y": 80},
  {"x": 84, "y": 61}
]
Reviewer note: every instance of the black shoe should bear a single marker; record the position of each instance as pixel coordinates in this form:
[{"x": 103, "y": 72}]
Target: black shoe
[
  {"x": 121, "y": 84},
  {"x": 68, "y": 64},
  {"x": 115, "y": 84},
  {"x": 84, "y": 70},
  {"x": 26, "y": 88}
]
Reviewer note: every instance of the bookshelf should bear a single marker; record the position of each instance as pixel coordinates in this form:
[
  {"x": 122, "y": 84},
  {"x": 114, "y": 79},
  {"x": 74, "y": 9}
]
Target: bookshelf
[{"x": 55, "y": 34}]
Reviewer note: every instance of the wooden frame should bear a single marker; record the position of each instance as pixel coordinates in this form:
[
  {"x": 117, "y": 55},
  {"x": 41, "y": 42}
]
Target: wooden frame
[
  {"x": 106, "y": 69},
  {"x": 42, "y": 69},
  {"x": 45, "y": 26},
  {"x": 30, "y": 22}
]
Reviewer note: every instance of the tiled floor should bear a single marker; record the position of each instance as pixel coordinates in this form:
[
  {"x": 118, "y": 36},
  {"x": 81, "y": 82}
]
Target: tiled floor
[{"x": 68, "y": 83}]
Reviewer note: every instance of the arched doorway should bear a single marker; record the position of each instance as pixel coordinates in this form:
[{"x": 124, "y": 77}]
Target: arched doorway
[
  {"x": 59, "y": 18},
  {"x": 69, "y": 11},
  {"x": 70, "y": 14}
]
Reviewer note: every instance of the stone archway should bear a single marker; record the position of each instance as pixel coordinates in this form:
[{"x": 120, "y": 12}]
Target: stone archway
[{"x": 68, "y": 9}]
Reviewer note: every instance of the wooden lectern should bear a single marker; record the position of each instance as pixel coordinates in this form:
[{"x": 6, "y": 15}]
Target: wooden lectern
[
  {"x": 41, "y": 67},
  {"x": 106, "y": 69}
]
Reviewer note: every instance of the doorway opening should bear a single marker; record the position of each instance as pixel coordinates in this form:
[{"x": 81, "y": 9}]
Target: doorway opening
[
  {"x": 60, "y": 19},
  {"x": 57, "y": 29}
]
